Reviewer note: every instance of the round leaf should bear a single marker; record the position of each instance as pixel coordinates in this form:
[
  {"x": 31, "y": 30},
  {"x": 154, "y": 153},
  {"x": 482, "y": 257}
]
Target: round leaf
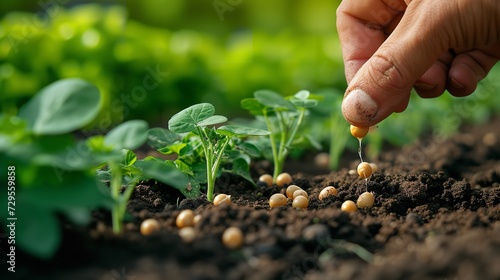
[
  {"x": 188, "y": 119},
  {"x": 212, "y": 120},
  {"x": 128, "y": 135},
  {"x": 272, "y": 99},
  {"x": 61, "y": 107}
]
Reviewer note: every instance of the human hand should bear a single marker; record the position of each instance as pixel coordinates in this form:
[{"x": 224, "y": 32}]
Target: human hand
[{"x": 389, "y": 47}]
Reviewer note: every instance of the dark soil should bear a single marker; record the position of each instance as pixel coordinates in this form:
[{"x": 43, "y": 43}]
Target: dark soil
[{"x": 436, "y": 216}]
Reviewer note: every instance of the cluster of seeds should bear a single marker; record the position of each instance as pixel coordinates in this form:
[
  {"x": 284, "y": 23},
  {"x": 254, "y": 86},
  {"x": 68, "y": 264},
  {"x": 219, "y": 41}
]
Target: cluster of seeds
[
  {"x": 365, "y": 200},
  {"x": 299, "y": 197},
  {"x": 282, "y": 180},
  {"x": 186, "y": 220}
]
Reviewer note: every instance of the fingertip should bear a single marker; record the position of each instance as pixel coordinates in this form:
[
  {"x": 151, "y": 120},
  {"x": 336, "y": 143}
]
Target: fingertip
[{"x": 359, "y": 108}]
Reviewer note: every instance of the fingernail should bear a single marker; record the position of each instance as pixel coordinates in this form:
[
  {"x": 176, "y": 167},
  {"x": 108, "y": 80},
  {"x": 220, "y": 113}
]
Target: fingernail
[
  {"x": 423, "y": 86},
  {"x": 456, "y": 84},
  {"x": 359, "y": 107}
]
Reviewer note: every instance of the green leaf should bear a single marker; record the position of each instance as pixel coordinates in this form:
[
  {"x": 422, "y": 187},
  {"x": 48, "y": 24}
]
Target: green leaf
[
  {"x": 249, "y": 149},
  {"x": 253, "y": 106},
  {"x": 129, "y": 157},
  {"x": 236, "y": 130},
  {"x": 274, "y": 100},
  {"x": 241, "y": 168},
  {"x": 37, "y": 231},
  {"x": 61, "y": 107},
  {"x": 303, "y": 94},
  {"x": 213, "y": 120},
  {"x": 128, "y": 135},
  {"x": 160, "y": 137},
  {"x": 164, "y": 173},
  {"x": 173, "y": 149},
  {"x": 304, "y": 103},
  {"x": 187, "y": 120}
]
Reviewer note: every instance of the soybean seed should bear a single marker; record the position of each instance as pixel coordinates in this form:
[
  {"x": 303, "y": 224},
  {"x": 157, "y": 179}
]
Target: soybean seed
[
  {"x": 366, "y": 200},
  {"x": 149, "y": 226},
  {"x": 232, "y": 238},
  {"x": 222, "y": 198},
  {"x": 187, "y": 234},
  {"x": 349, "y": 206},
  {"x": 277, "y": 200},
  {"x": 300, "y": 202},
  {"x": 283, "y": 179},
  {"x": 327, "y": 192},
  {"x": 291, "y": 189},
  {"x": 359, "y": 132},
  {"x": 364, "y": 170},
  {"x": 267, "y": 179},
  {"x": 185, "y": 219},
  {"x": 300, "y": 193}
]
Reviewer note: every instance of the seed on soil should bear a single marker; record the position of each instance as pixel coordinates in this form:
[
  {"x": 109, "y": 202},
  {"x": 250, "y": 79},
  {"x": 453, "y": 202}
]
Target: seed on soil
[
  {"x": 352, "y": 172},
  {"x": 291, "y": 189},
  {"x": 374, "y": 167},
  {"x": 328, "y": 192},
  {"x": 277, "y": 200},
  {"x": 149, "y": 226},
  {"x": 196, "y": 219},
  {"x": 349, "y": 206},
  {"x": 300, "y": 193},
  {"x": 283, "y": 179},
  {"x": 222, "y": 198},
  {"x": 266, "y": 179},
  {"x": 185, "y": 219},
  {"x": 187, "y": 234},
  {"x": 232, "y": 238},
  {"x": 322, "y": 160},
  {"x": 300, "y": 202},
  {"x": 359, "y": 132},
  {"x": 364, "y": 170},
  {"x": 366, "y": 200}
]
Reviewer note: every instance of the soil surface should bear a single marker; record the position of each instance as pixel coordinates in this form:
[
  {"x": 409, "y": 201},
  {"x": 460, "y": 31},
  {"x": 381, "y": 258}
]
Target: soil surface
[{"x": 436, "y": 216}]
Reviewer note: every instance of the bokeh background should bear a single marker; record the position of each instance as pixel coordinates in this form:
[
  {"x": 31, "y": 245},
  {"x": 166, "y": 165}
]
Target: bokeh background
[{"x": 152, "y": 58}]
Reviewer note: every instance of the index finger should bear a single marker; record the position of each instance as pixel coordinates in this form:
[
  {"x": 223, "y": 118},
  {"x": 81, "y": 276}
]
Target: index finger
[{"x": 363, "y": 26}]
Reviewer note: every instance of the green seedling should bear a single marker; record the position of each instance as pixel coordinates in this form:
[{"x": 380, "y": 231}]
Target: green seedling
[
  {"x": 46, "y": 181},
  {"x": 198, "y": 122},
  {"x": 124, "y": 171},
  {"x": 283, "y": 118}
]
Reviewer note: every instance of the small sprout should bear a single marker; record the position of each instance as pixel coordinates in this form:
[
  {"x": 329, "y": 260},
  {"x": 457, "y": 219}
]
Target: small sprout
[
  {"x": 291, "y": 189},
  {"x": 188, "y": 234},
  {"x": 359, "y": 132},
  {"x": 277, "y": 200},
  {"x": 232, "y": 238},
  {"x": 222, "y": 198},
  {"x": 266, "y": 179},
  {"x": 364, "y": 170},
  {"x": 349, "y": 206},
  {"x": 283, "y": 179},
  {"x": 300, "y": 202},
  {"x": 327, "y": 192},
  {"x": 300, "y": 193},
  {"x": 374, "y": 167},
  {"x": 149, "y": 226},
  {"x": 366, "y": 200},
  {"x": 185, "y": 219}
]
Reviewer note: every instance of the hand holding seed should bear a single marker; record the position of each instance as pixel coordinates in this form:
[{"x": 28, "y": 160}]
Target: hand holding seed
[{"x": 389, "y": 47}]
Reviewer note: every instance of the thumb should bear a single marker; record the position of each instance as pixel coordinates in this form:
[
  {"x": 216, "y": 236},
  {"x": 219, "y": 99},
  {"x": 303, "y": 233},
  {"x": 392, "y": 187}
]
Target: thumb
[{"x": 383, "y": 84}]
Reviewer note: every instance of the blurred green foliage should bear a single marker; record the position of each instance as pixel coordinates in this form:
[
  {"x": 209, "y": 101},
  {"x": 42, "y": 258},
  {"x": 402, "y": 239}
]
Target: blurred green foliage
[
  {"x": 152, "y": 58},
  {"x": 151, "y": 72}
]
